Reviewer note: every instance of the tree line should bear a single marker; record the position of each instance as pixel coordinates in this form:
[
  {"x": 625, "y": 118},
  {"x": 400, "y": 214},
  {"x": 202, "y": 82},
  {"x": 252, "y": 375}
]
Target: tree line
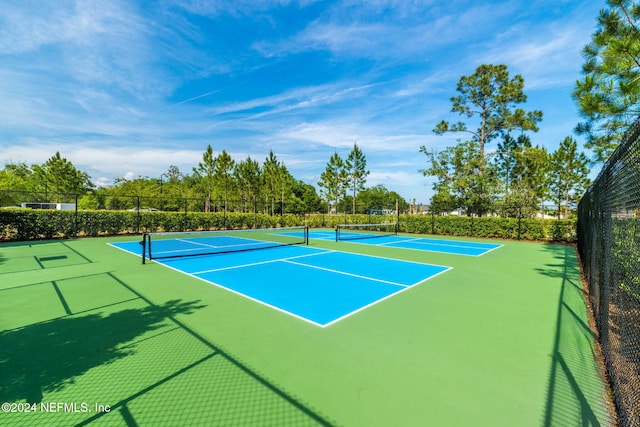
[
  {"x": 517, "y": 173},
  {"x": 467, "y": 175},
  {"x": 217, "y": 183}
]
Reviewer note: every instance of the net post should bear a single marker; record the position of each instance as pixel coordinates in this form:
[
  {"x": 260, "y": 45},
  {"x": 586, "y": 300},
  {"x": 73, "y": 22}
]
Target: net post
[
  {"x": 149, "y": 245},
  {"x": 144, "y": 248},
  {"x": 337, "y": 232},
  {"x": 306, "y": 235}
]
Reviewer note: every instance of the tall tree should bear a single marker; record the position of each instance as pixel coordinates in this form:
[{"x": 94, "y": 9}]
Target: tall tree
[
  {"x": 506, "y": 161},
  {"x": 173, "y": 189},
  {"x": 608, "y": 96},
  {"x": 333, "y": 181},
  {"x": 17, "y": 178},
  {"x": 206, "y": 171},
  {"x": 490, "y": 96},
  {"x": 356, "y": 172},
  {"x": 305, "y": 198},
  {"x": 58, "y": 175},
  {"x": 271, "y": 172},
  {"x": 379, "y": 197},
  {"x": 223, "y": 176},
  {"x": 284, "y": 185},
  {"x": 458, "y": 180},
  {"x": 533, "y": 173},
  {"x": 569, "y": 170},
  {"x": 247, "y": 174},
  {"x": 523, "y": 169}
]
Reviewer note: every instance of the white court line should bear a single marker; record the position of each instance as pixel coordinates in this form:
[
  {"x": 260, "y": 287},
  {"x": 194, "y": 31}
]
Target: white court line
[
  {"x": 191, "y": 242},
  {"x": 259, "y": 301},
  {"x": 321, "y": 325},
  {"x": 364, "y": 307},
  {"x": 269, "y": 261},
  {"x": 492, "y": 249},
  {"x": 485, "y": 251},
  {"x": 345, "y": 273},
  {"x": 420, "y": 241}
]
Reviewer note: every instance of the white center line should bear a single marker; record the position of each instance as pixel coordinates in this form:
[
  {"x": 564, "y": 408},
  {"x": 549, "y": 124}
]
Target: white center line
[
  {"x": 232, "y": 267},
  {"x": 344, "y": 273}
]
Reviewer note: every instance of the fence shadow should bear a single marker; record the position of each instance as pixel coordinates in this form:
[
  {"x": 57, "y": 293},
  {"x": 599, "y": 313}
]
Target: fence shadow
[
  {"x": 141, "y": 360},
  {"x": 48, "y": 356},
  {"x": 575, "y": 394}
]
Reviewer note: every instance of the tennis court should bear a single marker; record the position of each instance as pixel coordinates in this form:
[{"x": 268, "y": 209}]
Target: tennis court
[
  {"x": 328, "y": 333},
  {"x": 316, "y": 285},
  {"x": 386, "y": 235}
]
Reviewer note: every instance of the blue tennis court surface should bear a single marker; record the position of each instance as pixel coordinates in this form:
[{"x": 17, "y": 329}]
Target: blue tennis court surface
[
  {"x": 456, "y": 247},
  {"x": 316, "y": 285},
  {"x": 436, "y": 245}
]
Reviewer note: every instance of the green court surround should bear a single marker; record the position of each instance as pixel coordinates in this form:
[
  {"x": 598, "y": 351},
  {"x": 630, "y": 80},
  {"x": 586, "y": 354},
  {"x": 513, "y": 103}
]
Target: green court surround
[{"x": 500, "y": 340}]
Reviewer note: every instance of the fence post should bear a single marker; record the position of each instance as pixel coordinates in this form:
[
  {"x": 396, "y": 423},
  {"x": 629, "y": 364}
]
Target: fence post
[
  {"x": 519, "y": 221},
  {"x": 433, "y": 222},
  {"x": 471, "y": 233},
  {"x": 185, "y": 219},
  {"x": 606, "y": 259},
  {"x": 75, "y": 221},
  {"x": 594, "y": 288},
  {"x": 138, "y": 218}
]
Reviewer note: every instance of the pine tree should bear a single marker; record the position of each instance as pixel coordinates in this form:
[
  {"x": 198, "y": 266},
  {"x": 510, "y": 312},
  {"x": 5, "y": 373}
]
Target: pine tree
[
  {"x": 333, "y": 181},
  {"x": 569, "y": 170},
  {"x": 356, "y": 172},
  {"x": 205, "y": 171},
  {"x": 223, "y": 177},
  {"x": 609, "y": 94},
  {"x": 490, "y": 95}
]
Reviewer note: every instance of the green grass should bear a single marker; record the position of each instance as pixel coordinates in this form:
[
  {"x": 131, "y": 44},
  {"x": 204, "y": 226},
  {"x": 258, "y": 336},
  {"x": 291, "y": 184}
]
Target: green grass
[{"x": 499, "y": 340}]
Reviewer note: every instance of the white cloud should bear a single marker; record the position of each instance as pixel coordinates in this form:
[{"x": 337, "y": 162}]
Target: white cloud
[
  {"x": 213, "y": 8},
  {"x": 128, "y": 88}
]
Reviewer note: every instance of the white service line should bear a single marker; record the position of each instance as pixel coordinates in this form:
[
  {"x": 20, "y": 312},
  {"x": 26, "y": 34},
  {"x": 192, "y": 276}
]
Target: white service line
[
  {"x": 345, "y": 273},
  {"x": 269, "y": 261}
]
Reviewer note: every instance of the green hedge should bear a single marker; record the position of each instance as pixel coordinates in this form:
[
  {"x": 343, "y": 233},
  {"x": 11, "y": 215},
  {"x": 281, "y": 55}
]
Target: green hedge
[
  {"x": 492, "y": 227},
  {"x": 28, "y": 224}
]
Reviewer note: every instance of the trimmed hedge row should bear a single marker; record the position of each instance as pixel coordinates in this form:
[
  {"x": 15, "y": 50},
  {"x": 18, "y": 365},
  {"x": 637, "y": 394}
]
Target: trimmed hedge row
[
  {"x": 28, "y": 224},
  {"x": 492, "y": 227}
]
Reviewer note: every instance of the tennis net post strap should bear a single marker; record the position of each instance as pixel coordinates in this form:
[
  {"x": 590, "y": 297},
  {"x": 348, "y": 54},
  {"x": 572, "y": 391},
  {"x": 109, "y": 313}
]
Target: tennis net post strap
[{"x": 193, "y": 243}]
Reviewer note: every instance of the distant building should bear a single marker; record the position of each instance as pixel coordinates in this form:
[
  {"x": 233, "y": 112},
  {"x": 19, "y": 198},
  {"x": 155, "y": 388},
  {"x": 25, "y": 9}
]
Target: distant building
[{"x": 56, "y": 206}]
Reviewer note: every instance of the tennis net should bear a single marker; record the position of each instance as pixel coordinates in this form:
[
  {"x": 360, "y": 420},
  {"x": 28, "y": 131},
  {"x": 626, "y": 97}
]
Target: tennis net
[
  {"x": 193, "y": 243},
  {"x": 365, "y": 231}
]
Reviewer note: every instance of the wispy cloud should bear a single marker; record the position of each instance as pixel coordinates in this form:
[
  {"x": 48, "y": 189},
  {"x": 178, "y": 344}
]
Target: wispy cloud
[
  {"x": 547, "y": 58},
  {"x": 125, "y": 87},
  {"x": 214, "y": 8},
  {"x": 410, "y": 31}
]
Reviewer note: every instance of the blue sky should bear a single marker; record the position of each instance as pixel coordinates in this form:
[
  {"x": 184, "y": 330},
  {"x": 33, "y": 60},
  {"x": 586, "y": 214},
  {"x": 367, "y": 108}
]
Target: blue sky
[{"x": 127, "y": 88}]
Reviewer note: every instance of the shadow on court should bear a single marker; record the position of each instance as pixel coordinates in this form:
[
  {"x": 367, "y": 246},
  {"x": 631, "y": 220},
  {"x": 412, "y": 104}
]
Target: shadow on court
[
  {"x": 48, "y": 356},
  {"x": 113, "y": 346},
  {"x": 575, "y": 393}
]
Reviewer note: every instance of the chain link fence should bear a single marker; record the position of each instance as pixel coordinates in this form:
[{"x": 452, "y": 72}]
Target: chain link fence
[
  {"x": 27, "y": 215},
  {"x": 609, "y": 246},
  {"x": 102, "y": 213}
]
